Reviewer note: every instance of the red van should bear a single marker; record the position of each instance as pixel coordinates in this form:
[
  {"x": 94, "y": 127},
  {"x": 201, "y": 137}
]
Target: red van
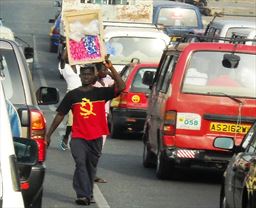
[
  {"x": 200, "y": 91},
  {"x": 128, "y": 111}
]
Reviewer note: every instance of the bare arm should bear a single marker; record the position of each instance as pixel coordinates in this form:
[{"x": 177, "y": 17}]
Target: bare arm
[
  {"x": 120, "y": 84},
  {"x": 55, "y": 123}
]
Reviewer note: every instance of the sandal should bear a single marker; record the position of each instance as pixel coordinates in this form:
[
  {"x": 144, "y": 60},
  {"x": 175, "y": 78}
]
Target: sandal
[{"x": 99, "y": 180}]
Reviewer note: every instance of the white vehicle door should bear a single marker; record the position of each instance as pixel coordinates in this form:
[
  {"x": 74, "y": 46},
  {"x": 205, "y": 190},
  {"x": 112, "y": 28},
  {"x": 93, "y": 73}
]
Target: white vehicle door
[{"x": 10, "y": 192}]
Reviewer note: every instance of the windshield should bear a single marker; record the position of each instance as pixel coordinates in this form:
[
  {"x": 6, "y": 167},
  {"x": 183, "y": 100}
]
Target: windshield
[
  {"x": 177, "y": 17},
  {"x": 123, "y": 49},
  {"x": 205, "y": 74}
]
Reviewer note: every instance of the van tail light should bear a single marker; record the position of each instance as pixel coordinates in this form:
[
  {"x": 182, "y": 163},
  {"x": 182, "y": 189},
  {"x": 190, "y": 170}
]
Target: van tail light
[
  {"x": 123, "y": 100},
  {"x": 38, "y": 131},
  {"x": 169, "y": 127},
  {"x": 24, "y": 185}
]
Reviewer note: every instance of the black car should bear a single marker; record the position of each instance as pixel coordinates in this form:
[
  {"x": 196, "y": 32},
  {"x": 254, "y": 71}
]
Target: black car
[
  {"x": 20, "y": 92},
  {"x": 238, "y": 189}
]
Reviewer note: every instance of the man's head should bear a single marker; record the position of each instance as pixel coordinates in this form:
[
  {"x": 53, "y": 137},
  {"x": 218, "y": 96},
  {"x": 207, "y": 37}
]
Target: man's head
[
  {"x": 88, "y": 74},
  {"x": 102, "y": 70}
]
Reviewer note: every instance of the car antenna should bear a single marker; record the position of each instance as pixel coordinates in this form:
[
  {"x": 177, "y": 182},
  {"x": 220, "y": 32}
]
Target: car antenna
[{"x": 216, "y": 14}]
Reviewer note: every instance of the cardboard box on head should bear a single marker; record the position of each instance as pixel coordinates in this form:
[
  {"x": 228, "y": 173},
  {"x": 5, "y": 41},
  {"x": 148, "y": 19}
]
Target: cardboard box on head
[{"x": 84, "y": 36}]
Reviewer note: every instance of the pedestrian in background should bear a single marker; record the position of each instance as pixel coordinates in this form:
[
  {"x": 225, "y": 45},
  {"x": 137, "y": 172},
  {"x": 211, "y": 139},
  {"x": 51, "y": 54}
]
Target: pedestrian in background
[
  {"x": 71, "y": 76},
  {"x": 104, "y": 80},
  {"x": 89, "y": 124}
]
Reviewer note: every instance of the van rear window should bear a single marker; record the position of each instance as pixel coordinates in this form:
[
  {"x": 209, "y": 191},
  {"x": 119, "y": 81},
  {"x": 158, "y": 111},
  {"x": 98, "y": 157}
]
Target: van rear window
[
  {"x": 137, "y": 85},
  {"x": 206, "y": 74}
]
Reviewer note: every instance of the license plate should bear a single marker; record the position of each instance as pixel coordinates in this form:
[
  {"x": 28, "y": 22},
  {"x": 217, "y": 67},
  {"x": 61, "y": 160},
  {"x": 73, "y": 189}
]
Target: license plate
[{"x": 229, "y": 128}]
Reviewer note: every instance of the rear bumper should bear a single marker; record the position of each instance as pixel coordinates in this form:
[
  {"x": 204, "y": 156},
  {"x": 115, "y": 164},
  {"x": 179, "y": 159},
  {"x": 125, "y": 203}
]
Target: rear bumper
[
  {"x": 129, "y": 120},
  {"x": 36, "y": 179},
  {"x": 190, "y": 157}
]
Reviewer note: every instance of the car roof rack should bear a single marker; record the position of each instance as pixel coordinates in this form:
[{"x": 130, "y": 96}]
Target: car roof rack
[{"x": 190, "y": 38}]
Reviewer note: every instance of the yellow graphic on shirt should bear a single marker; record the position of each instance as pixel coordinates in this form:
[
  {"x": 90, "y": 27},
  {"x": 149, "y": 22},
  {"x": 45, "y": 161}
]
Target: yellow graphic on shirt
[{"x": 86, "y": 108}]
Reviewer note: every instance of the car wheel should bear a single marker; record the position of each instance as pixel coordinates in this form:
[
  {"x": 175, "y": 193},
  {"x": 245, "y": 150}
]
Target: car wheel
[
  {"x": 223, "y": 199},
  {"x": 37, "y": 203},
  {"x": 162, "y": 166},
  {"x": 148, "y": 157},
  {"x": 114, "y": 130}
]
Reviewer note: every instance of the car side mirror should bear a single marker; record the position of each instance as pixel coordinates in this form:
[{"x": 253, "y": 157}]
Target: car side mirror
[
  {"x": 26, "y": 151},
  {"x": 148, "y": 78},
  {"x": 226, "y": 143},
  {"x": 28, "y": 52},
  {"x": 47, "y": 95}
]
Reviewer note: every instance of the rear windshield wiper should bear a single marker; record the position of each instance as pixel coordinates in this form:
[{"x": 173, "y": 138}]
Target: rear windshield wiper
[{"x": 226, "y": 95}]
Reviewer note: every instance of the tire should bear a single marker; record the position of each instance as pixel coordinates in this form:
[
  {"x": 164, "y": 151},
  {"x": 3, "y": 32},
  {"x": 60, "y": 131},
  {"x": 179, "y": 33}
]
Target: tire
[
  {"x": 114, "y": 129},
  {"x": 148, "y": 157},
  {"x": 223, "y": 200},
  {"x": 162, "y": 166},
  {"x": 37, "y": 203}
]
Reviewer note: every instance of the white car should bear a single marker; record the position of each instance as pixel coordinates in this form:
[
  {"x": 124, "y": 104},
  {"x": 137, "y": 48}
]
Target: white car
[
  {"x": 11, "y": 151},
  {"x": 7, "y": 33},
  {"x": 127, "y": 41},
  {"x": 227, "y": 28},
  {"x": 251, "y": 36}
]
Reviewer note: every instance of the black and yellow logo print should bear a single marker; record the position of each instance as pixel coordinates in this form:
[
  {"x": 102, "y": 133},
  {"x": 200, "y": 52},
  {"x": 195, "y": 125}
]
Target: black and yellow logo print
[
  {"x": 86, "y": 108},
  {"x": 135, "y": 98}
]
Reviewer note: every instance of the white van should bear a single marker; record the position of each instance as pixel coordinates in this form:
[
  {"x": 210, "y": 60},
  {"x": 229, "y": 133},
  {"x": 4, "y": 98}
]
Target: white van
[
  {"x": 11, "y": 151},
  {"x": 227, "y": 28},
  {"x": 127, "y": 41}
]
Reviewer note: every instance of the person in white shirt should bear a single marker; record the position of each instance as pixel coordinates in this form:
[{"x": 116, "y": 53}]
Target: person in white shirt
[
  {"x": 71, "y": 76},
  {"x": 104, "y": 80}
]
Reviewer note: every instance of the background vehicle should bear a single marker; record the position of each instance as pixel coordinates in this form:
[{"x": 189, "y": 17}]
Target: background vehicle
[
  {"x": 7, "y": 33},
  {"x": 238, "y": 188},
  {"x": 125, "y": 41},
  {"x": 177, "y": 18},
  {"x": 26, "y": 155},
  {"x": 128, "y": 111},
  {"x": 55, "y": 34},
  {"x": 188, "y": 109},
  {"x": 227, "y": 28},
  {"x": 19, "y": 90}
]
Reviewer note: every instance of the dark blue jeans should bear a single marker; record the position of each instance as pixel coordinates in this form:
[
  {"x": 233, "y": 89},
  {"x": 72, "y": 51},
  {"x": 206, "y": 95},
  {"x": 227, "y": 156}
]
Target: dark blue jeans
[{"x": 86, "y": 154}]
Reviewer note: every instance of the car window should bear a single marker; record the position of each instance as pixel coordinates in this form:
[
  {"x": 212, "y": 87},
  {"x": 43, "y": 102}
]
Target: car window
[
  {"x": 126, "y": 73},
  {"x": 233, "y": 30},
  {"x": 123, "y": 49},
  {"x": 205, "y": 74},
  {"x": 168, "y": 75},
  {"x": 163, "y": 70},
  {"x": 177, "y": 17},
  {"x": 137, "y": 85},
  {"x": 12, "y": 81}
]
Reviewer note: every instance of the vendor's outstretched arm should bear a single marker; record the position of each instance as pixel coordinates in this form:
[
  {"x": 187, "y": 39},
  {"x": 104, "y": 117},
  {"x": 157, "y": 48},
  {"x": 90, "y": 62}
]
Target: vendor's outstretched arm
[
  {"x": 55, "y": 123},
  {"x": 120, "y": 84}
]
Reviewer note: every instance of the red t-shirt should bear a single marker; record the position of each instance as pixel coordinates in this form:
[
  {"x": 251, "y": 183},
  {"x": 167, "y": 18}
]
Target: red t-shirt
[{"x": 88, "y": 108}]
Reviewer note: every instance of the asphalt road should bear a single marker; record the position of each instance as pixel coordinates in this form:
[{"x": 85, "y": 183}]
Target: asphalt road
[{"x": 129, "y": 184}]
